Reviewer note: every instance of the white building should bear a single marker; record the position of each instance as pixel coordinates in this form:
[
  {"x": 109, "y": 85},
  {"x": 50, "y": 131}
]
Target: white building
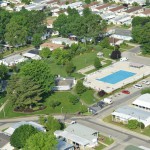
[
  {"x": 72, "y": 5},
  {"x": 11, "y": 129},
  {"x": 126, "y": 113},
  {"x": 61, "y": 40},
  {"x": 122, "y": 34},
  {"x": 81, "y": 136},
  {"x": 143, "y": 102},
  {"x": 64, "y": 84}
]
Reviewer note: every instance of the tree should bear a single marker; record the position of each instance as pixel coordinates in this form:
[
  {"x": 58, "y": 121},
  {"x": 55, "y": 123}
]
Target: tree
[
  {"x": 73, "y": 99},
  {"x": 26, "y": 1},
  {"x": 70, "y": 68},
  {"x": 36, "y": 40},
  {"x": 41, "y": 140},
  {"x": 80, "y": 88},
  {"x": 51, "y": 123},
  {"x": 54, "y": 103},
  {"x": 21, "y": 134},
  {"x": 101, "y": 93},
  {"x": 87, "y": 1},
  {"x": 15, "y": 34},
  {"x": 135, "y": 4},
  {"x": 40, "y": 72},
  {"x": 97, "y": 63},
  {"x": 1, "y": 56},
  {"x": 3, "y": 71},
  {"x": 45, "y": 53},
  {"x": 106, "y": 1},
  {"x": 23, "y": 92},
  {"x": 105, "y": 43},
  {"x": 116, "y": 54},
  {"x": 133, "y": 124},
  {"x": 86, "y": 12},
  {"x": 146, "y": 48}
]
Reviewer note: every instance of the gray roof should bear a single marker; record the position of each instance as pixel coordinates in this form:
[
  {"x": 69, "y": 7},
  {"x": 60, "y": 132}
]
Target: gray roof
[
  {"x": 62, "y": 145},
  {"x": 123, "y": 32},
  {"x": 4, "y": 139},
  {"x": 81, "y": 131},
  {"x": 64, "y": 81},
  {"x": 133, "y": 112}
]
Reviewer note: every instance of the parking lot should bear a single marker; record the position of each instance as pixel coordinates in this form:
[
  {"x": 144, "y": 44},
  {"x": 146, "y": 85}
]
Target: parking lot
[{"x": 96, "y": 108}]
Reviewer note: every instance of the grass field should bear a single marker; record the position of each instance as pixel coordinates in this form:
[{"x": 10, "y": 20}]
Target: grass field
[
  {"x": 100, "y": 147},
  {"x": 145, "y": 131},
  {"x": 64, "y": 107},
  {"x": 88, "y": 97}
]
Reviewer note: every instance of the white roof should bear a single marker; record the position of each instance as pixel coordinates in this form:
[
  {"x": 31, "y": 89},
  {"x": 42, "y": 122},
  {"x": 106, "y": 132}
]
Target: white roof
[
  {"x": 128, "y": 113},
  {"x": 143, "y": 100},
  {"x": 11, "y": 129},
  {"x": 32, "y": 56},
  {"x": 72, "y": 137}
]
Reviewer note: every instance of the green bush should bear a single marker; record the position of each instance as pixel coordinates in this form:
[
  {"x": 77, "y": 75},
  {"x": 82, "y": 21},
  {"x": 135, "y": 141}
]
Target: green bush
[
  {"x": 145, "y": 90},
  {"x": 133, "y": 124},
  {"x": 73, "y": 99}
]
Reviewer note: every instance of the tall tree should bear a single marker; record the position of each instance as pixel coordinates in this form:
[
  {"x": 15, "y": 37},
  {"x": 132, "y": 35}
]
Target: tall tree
[
  {"x": 40, "y": 72},
  {"x": 45, "y": 53},
  {"x": 97, "y": 63},
  {"x": 15, "y": 34},
  {"x": 80, "y": 88},
  {"x": 70, "y": 68},
  {"x": 36, "y": 40},
  {"x": 23, "y": 92},
  {"x": 21, "y": 134},
  {"x": 39, "y": 141},
  {"x": 3, "y": 71}
]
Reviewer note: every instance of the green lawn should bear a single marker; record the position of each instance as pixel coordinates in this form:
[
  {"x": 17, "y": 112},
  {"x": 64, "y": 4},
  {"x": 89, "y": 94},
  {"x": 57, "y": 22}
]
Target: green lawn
[
  {"x": 100, "y": 147},
  {"x": 145, "y": 131},
  {"x": 106, "y": 52},
  {"x": 107, "y": 140},
  {"x": 62, "y": 97},
  {"x": 126, "y": 46},
  {"x": 88, "y": 97},
  {"x": 84, "y": 60}
]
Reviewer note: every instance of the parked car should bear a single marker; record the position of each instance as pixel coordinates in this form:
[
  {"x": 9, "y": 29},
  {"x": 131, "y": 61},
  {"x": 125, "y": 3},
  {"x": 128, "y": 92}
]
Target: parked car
[
  {"x": 123, "y": 59},
  {"x": 125, "y": 92},
  {"x": 146, "y": 82},
  {"x": 139, "y": 86},
  {"x": 107, "y": 101}
]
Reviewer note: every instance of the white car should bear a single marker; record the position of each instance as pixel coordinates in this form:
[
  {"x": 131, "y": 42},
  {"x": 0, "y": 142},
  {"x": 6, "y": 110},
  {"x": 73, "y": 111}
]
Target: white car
[
  {"x": 139, "y": 86},
  {"x": 146, "y": 82},
  {"x": 123, "y": 59}
]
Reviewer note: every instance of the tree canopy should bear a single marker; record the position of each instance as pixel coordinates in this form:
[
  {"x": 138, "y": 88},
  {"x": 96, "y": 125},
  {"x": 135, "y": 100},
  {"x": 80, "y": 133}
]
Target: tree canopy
[
  {"x": 97, "y": 63},
  {"x": 21, "y": 134},
  {"x": 88, "y": 25},
  {"x": 80, "y": 88},
  {"x": 3, "y": 71},
  {"x": 23, "y": 92},
  {"x": 41, "y": 140},
  {"x": 140, "y": 32},
  {"x": 45, "y": 53},
  {"x": 40, "y": 72}
]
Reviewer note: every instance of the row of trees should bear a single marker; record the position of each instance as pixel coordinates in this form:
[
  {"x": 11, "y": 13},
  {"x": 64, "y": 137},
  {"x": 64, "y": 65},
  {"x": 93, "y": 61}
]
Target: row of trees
[
  {"x": 140, "y": 32},
  {"x": 86, "y": 26},
  {"x": 19, "y": 28}
]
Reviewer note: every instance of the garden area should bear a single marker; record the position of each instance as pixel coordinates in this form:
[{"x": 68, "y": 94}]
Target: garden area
[
  {"x": 138, "y": 129},
  {"x": 61, "y": 99}
]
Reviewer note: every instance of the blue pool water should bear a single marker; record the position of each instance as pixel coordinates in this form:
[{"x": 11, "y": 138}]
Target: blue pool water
[{"x": 117, "y": 77}]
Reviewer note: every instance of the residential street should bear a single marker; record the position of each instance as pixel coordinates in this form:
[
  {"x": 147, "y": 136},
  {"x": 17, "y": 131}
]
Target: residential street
[{"x": 133, "y": 57}]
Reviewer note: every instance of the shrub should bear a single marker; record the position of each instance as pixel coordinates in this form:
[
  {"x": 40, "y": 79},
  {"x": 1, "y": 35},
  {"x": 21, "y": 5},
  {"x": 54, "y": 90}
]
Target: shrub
[
  {"x": 54, "y": 103},
  {"x": 133, "y": 124},
  {"x": 101, "y": 93},
  {"x": 80, "y": 88},
  {"x": 145, "y": 90},
  {"x": 73, "y": 99},
  {"x": 116, "y": 54}
]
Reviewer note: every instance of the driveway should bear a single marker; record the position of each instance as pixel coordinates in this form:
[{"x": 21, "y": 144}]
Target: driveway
[{"x": 132, "y": 55}]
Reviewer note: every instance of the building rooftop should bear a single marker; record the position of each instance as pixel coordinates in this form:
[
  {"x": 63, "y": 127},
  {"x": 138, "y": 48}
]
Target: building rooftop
[
  {"x": 103, "y": 6},
  {"x": 128, "y": 112},
  {"x": 62, "y": 145},
  {"x": 116, "y": 8},
  {"x": 123, "y": 32},
  {"x": 51, "y": 45},
  {"x": 133, "y": 9},
  {"x": 143, "y": 100},
  {"x": 4, "y": 139},
  {"x": 64, "y": 81}
]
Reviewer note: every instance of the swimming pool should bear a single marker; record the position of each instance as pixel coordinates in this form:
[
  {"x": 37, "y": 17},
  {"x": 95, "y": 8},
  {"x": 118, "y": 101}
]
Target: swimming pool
[{"x": 117, "y": 77}]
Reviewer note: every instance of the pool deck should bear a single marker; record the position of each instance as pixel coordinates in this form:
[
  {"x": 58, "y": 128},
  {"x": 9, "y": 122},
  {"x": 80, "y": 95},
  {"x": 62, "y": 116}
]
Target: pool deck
[{"x": 92, "y": 82}]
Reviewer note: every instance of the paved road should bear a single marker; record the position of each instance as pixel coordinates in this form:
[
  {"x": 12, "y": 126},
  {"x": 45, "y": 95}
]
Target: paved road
[
  {"x": 133, "y": 57},
  {"x": 122, "y": 138}
]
